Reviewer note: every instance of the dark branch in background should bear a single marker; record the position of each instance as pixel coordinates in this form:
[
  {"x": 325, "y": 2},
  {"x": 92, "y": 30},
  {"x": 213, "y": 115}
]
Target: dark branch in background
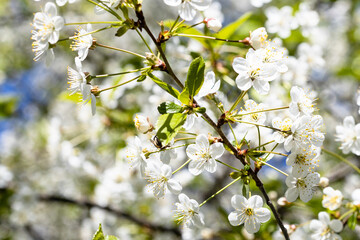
[
  {"x": 239, "y": 156},
  {"x": 32, "y": 232},
  {"x": 118, "y": 213}
]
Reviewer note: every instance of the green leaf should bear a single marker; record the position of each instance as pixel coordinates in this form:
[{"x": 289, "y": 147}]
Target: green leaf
[
  {"x": 109, "y": 237},
  {"x": 169, "y": 107},
  {"x": 99, "y": 235},
  {"x": 230, "y": 29},
  {"x": 352, "y": 221},
  {"x": 168, "y": 125},
  {"x": 167, "y": 87},
  {"x": 8, "y": 105},
  {"x": 194, "y": 80},
  {"x": 195, "y": 76}
]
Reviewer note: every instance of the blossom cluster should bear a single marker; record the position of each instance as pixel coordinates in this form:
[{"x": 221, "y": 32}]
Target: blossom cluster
[{"x": 260, "y": 130}]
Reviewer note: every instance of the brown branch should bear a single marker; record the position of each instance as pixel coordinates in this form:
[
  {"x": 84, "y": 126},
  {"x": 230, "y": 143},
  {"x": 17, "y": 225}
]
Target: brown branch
[
  {"x": 241, "y": 157},
  {"x": 116, "y": 212}
]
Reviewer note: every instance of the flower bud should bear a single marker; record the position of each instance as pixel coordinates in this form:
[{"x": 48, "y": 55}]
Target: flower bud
[
  {"x": 324, "y": 182},
  {"x": 282, "y": 201},
  {"x": 142, "y": 124},
  {"x": 213, "y": 24},
  {"x": 258, "y": 38}
]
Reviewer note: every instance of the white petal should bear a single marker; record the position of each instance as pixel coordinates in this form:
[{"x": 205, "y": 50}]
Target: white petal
[
  {"x": 243, "y": 82},
  {"x": 217, "y": 150},
  {"x": 262, "y": 214},
  {"x": 324, "y": 217},
  {"x": 252, "y": 226},
  {"x": 58, "y": 23},
  {"x": 255, "y": 201},
  {"x": 292, "y": 194},
  {"x": 186, "y": 11},
  {"x": 174, "y": 186},
  {"x": 210, "y": 166},
  {"x": 93, "y": 104},
  {"x": 50, "y": 8},
  {"x": 306, "y": 194},
  {"x": 239, "y": 202},
  {"x": 172, "y": 3},
  {"x": 191, "y": 151},
  {"x": 202, "y": 141},
  {"x": 240, "y": 65},
  {"x": 262, "y": 87},
  {"x": 315, "y": 225},
  {"x": 336, "y": 225},
  {"x": 235, "y": 219},
  {"x": 196, "y": 167}
]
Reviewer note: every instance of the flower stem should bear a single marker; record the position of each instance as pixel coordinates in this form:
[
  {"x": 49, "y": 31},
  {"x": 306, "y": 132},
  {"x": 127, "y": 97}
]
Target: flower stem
[
  {"x": 259, "y": 125},
  {"x": 277, "y": 153},
  {"x": 232, "y": 130},
  {"x": 120, "y": 50},
  {"x": 116, "y": 74},
  {"x": 228, "y": 165},
  {"x": 347, "y": 213},
  {"x": 264, "y": 144},
  {"x": 118, "y": 85},
  {"x": 142, "y": 37},
  {"x": 238, "y": 100},
  {"x": 183, "y": 139},
  {"x": 276, "y": 169},
  {"x": 164, "y": 149},
  {"x": 177, "y": 19},
  {"x": 208, "y": 37},
  {"x": 342, "y": 159},
  {"x": 260, "y": 111},
  {"x": 181, "y": 167},
  {"x": 82, "y": 23},
  {"x": 212, "y": 196}
]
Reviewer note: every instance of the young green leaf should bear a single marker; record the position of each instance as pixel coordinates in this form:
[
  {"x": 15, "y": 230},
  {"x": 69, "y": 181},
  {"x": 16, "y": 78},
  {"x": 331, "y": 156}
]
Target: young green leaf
[
  {"x": 169, "y": 107},
  {"x": 230, "y": 29},
  {"x": 352, "y": 221},
  {"x": 109, "y": 237},
  {"x": 99, "y": 235},
  {"x": 195, "y": 76},
  {"x": 167, "y": 87},
  {"x": 168, "y": 125}
]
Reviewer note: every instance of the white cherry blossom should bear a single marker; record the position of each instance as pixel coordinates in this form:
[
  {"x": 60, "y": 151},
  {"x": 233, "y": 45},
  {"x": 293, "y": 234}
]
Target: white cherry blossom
[
  {"x": 188, "y": 8},
  {"x": 42, "y": 51},
  {"x": 63, "y": 2},
  {"x": 324, "y": 229},
  {"x": 109, "y": 3},
  {"x": 332, "y": 198},
  {"x": 249, "y": 212},
  {"x": 253, "y": 72},
  {"x": 355, "y": 195},
  {"x": 258, "y": 38},
  {"x": 187, "y": 212},
  {"x": 203, "y": 155},
  {"x": 47, "y": 25},
  {"x": 349, "y": 136},
  {"x": 213, "y": 24},
  {"x": 284, "y": 126},
  {"x": 135, "y": 155},
  {"x": 256, "y": 117},
  {"x": 142, "y": 124},
  {"x": 301, "y": 186},
  {"x": 259, "y": 3},
  {"x": 209, "y": 86},
  {"x": 159, "y": 177},
  {"x": 301, "y": 102},
  {"x": 280, "y": 21},
  {"x": 303, "y": 161},
  {"x": 305, "y": 132},
  {"x": 82, "y": 42}
]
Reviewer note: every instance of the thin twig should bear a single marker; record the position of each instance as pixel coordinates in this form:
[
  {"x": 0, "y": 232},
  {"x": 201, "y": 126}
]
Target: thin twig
[{"x": 87, "y": 204}]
